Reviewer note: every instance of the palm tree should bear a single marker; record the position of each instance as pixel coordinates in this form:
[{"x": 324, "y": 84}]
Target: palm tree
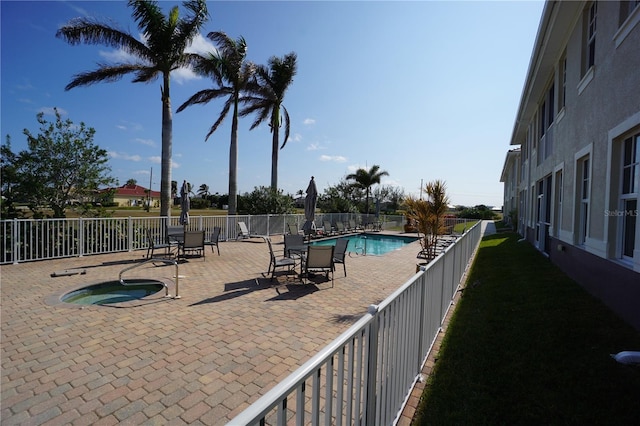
[
  {"x": 365, "y": 179},
  {"x": 265, "y": 98},
  {"x": 162, "y": 51},
  {"x": 203, "y": 191},
  {"x": 231, "y": 73}
]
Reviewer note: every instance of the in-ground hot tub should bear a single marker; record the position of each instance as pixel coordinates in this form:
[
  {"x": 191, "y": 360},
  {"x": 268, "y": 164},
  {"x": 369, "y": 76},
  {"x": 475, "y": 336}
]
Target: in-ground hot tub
[{"x": 110, "y": 292}]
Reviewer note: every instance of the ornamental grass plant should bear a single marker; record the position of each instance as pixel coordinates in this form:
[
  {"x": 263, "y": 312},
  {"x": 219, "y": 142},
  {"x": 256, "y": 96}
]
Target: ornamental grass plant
[{"x": 527, "y": 345}]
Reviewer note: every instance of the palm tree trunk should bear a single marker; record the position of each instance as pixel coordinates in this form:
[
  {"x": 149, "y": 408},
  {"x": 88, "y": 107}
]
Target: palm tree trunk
[
  {"x": 233, "y": 161},
  {"x": 274, "y": 160},
  {"x": 167, "y": 130},
  {"x": 275, "y": 123}
]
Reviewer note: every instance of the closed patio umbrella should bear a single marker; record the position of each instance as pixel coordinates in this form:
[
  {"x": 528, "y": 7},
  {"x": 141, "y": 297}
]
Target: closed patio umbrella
[
  {"x": 185, "y": 205},
  {"x": 310, "y": 207}
]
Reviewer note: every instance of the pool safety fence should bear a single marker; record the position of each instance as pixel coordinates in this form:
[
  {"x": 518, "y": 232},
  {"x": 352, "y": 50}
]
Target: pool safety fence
[
  {"x": 26, "y": 240},
  {"x": 366, "y": 375}
]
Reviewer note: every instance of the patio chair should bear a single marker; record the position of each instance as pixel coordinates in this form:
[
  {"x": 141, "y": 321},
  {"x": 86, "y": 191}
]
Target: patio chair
[
  {"x": 243, "y": 232},
  {"x": 214, "y": 239},
  {"x": 193, "y": 243},
  {"x": 319, "y": 258},
  {"x": 293, "y": 240},
  {"x": 340, "y": 228},
  {"x": 175, "y": 235},
  {"x": 278, "y": 261},
  {"x": 340, "y": 253},
  {"x": 153, "y": 246}
]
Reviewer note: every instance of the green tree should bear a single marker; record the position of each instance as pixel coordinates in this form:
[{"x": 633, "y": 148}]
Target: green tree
[
  {"x": 264, "y": 200},
  {"x": 265, "y": 98},
  {"x": 61, "y": 164},
  {"x": 365, "y": 179},
  {"x": 231, "y": 74},
  {"x": 339, "y": 198},
  {"x": 9, "y": 184},
  {"x": 162, "y": 51},
  {"x": 132, "y": 182}
]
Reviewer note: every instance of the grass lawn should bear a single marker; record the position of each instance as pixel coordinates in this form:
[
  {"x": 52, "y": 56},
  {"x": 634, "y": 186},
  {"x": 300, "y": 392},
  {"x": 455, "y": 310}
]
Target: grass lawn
[{"x": 527, "y": 345}]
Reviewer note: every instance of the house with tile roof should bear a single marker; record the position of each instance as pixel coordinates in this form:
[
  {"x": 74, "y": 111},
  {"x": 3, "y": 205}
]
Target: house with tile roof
[{"x": 135, "y": 195}]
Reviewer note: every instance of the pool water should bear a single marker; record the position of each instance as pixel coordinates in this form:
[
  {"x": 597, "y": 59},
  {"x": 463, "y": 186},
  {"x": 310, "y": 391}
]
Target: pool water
[
  {"x": 112, "y": 292},
  {"x": 371, "y": 244}
]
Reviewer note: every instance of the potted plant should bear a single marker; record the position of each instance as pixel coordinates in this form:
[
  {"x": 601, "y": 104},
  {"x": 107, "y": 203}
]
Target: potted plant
[{"x": 428, "y": 215}]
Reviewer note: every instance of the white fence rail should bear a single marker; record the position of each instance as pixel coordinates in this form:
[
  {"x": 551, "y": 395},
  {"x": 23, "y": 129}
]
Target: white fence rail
[
  {"x": 365, "y": 376},
  {"x": 26, "y": 240}
]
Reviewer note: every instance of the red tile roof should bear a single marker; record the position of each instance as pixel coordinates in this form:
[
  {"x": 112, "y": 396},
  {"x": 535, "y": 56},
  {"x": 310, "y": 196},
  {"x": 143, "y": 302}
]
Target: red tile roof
[{"x": 134, "y": 191}]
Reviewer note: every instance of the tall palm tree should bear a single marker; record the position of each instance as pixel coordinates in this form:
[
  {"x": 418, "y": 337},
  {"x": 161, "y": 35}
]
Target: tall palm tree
[
  {"x": 231, "y": 73},
  {"x": 265, "y": 98},
  {"x": 365, "y": 179},
  {"x": 203, "y": 191},
  {"x": 162, "y": 51}
]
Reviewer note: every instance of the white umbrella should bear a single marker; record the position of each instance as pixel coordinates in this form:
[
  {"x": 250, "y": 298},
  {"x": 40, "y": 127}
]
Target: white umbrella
[
  {"x": 310, "y": 207},
  {"x": 185, "y": 205}
]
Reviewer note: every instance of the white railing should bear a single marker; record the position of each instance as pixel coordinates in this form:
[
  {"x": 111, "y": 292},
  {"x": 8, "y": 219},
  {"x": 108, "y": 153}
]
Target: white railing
[
  {"x": 26, "y": 240},
  {"x": 366, "y": 375}
]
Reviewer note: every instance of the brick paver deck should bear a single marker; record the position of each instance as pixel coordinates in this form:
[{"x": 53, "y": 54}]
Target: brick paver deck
[{"x": 200, "y": 359}]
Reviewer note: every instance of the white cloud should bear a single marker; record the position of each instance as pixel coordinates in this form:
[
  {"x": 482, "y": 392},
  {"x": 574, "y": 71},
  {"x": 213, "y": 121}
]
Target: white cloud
[
  {"x": 313, "y": 147},
  {"x": 333, "y": 158},
  {"x": 142, "y": 172},
  {"x": 122, "y": 156},
  {"x": 158, "y": 160},
  {"x": 147, "y": 142},
  {"x": 309, "y": 121}
]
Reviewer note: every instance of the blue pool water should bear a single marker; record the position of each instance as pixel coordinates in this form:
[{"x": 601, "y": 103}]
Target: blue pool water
[
  {"x": 112, "y": 292},
  {"x": 374, "y": 244}
]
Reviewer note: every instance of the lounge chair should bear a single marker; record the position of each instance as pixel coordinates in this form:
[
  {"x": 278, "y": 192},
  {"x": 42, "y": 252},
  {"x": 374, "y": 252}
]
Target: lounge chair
[
  {"x": 243, "y": 232},
  {"x": 214, "y": 239},
  {"x": 353, "y": 226},
  {"x": 340, "y": 253},
  {"x": 319, "y": 258},
  {"x": 278, "y": 261},
  {"x": 328, "y": 229},
  {"x": 153, "y": 245},
  {"x": 340, "y": 228},
  {"x": 193, "y": 242},
  {"x": 292, "y": 229}
]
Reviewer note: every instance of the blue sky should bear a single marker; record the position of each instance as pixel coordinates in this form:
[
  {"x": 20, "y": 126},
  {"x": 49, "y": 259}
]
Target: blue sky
[{"x": 424, "y": 89}]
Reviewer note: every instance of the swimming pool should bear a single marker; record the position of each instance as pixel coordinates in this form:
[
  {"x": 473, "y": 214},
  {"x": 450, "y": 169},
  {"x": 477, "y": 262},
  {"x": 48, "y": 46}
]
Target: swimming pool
[{"x": 371, "y": 244}]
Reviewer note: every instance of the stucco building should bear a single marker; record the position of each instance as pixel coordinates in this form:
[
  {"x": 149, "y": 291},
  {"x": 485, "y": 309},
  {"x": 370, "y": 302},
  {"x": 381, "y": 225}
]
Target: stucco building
[{"x": 578, "y": 127}]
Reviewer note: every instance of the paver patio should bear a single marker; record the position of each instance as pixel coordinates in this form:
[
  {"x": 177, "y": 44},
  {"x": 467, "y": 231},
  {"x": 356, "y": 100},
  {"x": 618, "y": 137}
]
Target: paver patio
[{"x": 200, "y": 359}]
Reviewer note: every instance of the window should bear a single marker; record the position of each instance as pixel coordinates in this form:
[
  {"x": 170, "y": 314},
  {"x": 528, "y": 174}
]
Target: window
[
  {"x": 584, "y": 181},
  {"x": 626, "y": 8},
  {"x": 562, "y": 96},
  {"x": 629, "y": 185},
  {"x": 589, "y": 45},
  {"x": 557, "y": 222},
  {"x": 546, "y": 115}
]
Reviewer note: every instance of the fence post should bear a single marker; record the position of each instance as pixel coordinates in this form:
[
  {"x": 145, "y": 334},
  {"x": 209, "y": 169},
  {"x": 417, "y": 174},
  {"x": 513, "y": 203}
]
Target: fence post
[
  {"x": 130, "y": 232},
  {"x": 372, "y": 355},
  {"x": 80, "y": 237},
  {"x": 14, "y": 239}
]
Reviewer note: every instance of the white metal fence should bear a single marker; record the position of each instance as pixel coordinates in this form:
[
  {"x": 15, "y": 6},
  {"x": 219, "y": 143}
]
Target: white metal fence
[
  {"x": 26, "y": 240},
  {"x": 365, "y": 376}
]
